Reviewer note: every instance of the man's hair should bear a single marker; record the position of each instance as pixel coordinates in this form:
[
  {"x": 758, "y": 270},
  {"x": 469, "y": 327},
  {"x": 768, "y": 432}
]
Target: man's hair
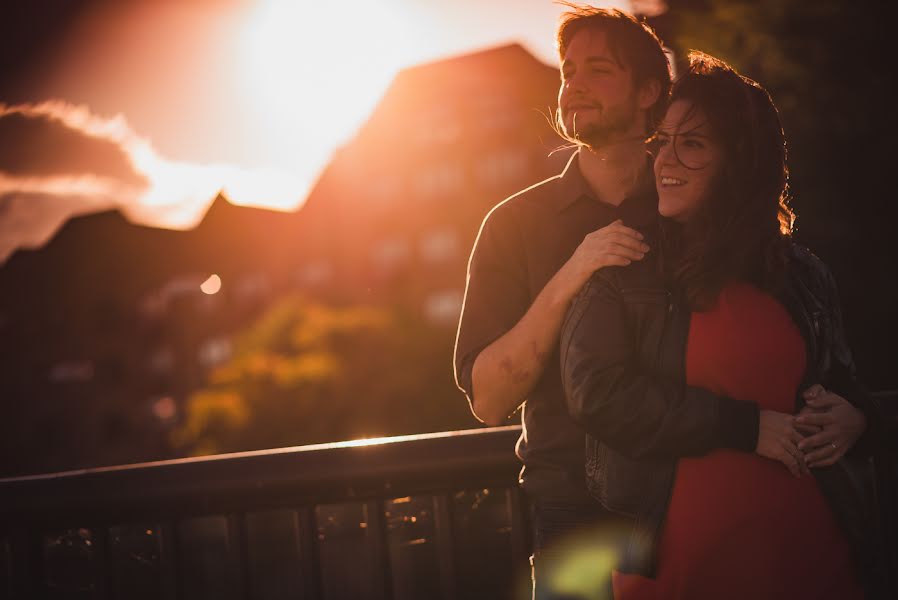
[
  {"x": 741, "y": 230},
  {"x": 633, "y": 44}
]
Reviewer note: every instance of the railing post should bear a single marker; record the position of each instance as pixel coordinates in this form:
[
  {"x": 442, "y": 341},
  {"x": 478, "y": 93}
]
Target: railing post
[
  {"x": 102, "y": 561},
  {"x": 445, "y": 543},
  {"x": 308, "y": 553},
  {"x": 168, "y": 560},
  {"x": 238, "y": 553},
  {"x": 518, "y": 508},
  {"x": 378, "y": 552},
  {"x": 26, "y": 562}
]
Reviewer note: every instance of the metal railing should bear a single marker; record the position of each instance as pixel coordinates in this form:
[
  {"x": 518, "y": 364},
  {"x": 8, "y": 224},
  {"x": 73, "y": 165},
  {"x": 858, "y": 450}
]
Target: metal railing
[{"x": 424, "y": 516}]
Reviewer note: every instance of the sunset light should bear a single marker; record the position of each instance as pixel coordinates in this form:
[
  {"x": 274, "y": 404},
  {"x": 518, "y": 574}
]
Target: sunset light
[
  {"x": 314, "y": 70},
  {"x": 255, "y": 253}
]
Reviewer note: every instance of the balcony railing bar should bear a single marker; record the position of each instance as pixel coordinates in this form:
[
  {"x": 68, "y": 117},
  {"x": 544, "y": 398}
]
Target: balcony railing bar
[{"x": 258, "y": 480}]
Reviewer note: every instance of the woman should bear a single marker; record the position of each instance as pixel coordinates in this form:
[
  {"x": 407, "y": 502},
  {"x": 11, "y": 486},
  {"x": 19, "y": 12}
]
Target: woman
[{"x": 748, "y": 321}]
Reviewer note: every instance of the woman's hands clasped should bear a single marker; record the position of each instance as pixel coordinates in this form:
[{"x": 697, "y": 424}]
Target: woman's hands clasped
[
  {"x": 778, "y": 439},
  {"x": 833, "y": 423},
  {"x": 818, "y": 436}
]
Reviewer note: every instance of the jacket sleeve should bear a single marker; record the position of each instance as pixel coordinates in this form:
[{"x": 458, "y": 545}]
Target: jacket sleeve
[
  {"x": 634, "y": 412},
  {"x": 841, "y": 377}
]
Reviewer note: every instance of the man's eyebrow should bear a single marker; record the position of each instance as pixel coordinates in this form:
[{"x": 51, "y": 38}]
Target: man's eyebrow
[
  {"x": 600, "y": 59},
  {"x": 592, "y": 60}
]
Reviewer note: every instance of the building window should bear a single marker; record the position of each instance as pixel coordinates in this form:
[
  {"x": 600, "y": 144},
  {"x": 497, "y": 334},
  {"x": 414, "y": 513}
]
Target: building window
[
  {"x": 214, "y": 352},
  {"x": 502, "y": 166},
  {"x": 390, "y": 253},
  {"x": 439, "y": 246},
  {"x": 497, "y": 112},
  {"x": 440, "y": 125},
  {"x": 443, "y": 307},
  {"x": 72, "y": 371},
  {"x": 252, "y": 286},
  {"x": 439, "y": 180},
  {"x": 161, "y": 361},
  {"x": 384, "y": 189},
  {"x": 314, "y": 273}
]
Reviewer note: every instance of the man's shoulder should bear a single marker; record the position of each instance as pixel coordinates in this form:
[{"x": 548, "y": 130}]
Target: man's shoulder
[{"x": 523, "y": 203}]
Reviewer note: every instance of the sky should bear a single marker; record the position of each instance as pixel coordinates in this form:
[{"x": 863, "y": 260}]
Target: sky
[{"x": 153, "y": 106}]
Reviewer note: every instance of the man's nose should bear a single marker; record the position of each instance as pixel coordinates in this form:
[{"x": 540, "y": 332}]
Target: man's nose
[{"x": 574, "y": 83}]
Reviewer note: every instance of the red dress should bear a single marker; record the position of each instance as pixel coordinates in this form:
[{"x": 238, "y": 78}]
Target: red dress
[{"x": 740, "y": 525}]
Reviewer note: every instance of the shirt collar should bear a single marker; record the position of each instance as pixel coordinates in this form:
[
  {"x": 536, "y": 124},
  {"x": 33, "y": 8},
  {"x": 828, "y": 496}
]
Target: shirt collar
[{"x": 574, "y": 186}]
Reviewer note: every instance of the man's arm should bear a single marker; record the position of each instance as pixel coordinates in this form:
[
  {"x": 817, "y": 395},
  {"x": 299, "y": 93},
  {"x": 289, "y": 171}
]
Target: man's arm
[{"x": 505, "y": 371}]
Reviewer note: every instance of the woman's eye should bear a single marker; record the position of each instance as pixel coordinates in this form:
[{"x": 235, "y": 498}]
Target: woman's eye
[
  {"x": 662, "y": 140},
  {"x": 691, "y": 143}
]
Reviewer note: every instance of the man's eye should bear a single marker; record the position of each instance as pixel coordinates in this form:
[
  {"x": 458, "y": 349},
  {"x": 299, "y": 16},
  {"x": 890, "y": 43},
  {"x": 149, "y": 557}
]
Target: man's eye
[
  {"x": 662, "y": 140},
  {"x": 691, "y": 143}
]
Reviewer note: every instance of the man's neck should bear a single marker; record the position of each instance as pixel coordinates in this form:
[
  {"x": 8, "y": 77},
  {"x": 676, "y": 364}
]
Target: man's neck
[{"x": 614, "y": 170}]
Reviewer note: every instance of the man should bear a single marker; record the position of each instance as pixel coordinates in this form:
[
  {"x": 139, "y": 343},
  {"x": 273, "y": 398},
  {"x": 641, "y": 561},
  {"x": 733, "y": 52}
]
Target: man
[{"x": 536, "y": 249}]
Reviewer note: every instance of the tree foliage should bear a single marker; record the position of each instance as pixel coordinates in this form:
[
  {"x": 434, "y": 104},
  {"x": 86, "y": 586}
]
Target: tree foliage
[{"x": 307, "y": 373}]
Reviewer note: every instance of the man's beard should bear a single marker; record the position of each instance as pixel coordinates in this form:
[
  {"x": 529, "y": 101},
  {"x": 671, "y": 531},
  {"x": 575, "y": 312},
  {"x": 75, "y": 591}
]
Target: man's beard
[{"x": 611, "y": 127}]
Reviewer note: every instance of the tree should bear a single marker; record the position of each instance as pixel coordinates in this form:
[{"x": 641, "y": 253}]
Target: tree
[{"x": 307, "y": 373}]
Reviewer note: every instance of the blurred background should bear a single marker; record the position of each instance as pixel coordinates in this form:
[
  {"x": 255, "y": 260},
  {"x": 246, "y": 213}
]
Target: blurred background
[{"x": 239, "y": 224}]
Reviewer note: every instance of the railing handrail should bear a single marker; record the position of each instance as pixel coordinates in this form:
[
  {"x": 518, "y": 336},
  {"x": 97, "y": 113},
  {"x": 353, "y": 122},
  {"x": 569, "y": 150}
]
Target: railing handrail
[{"x": 357, "y": 469}]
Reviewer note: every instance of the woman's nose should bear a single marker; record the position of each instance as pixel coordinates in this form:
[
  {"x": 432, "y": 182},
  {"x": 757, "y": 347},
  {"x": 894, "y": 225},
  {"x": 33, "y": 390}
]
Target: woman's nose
[{"x": 666, "y": 154}]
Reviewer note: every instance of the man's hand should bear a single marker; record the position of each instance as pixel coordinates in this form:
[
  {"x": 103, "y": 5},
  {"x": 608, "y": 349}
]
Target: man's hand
[
  {"x": 840, "y": 425},
  {"x": 612, "y": 245},
  {"x": 778, "y": 440},
  {"x": 506, "y": 371}
]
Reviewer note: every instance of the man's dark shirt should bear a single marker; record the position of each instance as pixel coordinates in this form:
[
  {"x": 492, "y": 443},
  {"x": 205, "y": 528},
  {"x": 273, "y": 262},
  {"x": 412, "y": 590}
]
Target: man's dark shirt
[{"x": 522, "y": 243}]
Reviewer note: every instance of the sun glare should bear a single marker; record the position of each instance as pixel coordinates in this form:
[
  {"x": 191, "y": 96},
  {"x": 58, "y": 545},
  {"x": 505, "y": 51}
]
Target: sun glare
[{"x": 313, "y": 71}]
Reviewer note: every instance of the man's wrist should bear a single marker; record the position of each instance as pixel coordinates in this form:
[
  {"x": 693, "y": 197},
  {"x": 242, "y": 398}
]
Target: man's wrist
[{"x": 563, "y": 287}]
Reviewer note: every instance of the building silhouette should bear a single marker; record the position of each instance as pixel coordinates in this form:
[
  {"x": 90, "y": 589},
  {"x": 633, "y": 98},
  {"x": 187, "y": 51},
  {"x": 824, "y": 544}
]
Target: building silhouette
[{"x": 106, "y": 330}]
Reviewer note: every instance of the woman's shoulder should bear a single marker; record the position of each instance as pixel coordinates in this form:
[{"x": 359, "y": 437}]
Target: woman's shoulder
[
  {"x": 802, "y": 256},
  {"x": 640, "y": 275},
  {"x": 807, "y": 266}
]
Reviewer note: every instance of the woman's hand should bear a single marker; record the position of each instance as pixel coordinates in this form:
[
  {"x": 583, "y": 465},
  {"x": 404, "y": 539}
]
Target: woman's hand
[
  {"x": 840, "y": 423},
  {"x": 778, "y": 439}
]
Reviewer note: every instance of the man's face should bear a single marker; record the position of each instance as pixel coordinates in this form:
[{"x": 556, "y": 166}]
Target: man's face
[{"x": 597, "y": 98}]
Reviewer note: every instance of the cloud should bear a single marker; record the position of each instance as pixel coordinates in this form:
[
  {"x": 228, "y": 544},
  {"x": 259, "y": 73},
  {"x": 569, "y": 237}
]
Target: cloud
[
  {"x": 58, "y": 160},
  {"x": 54, "y": 139}
]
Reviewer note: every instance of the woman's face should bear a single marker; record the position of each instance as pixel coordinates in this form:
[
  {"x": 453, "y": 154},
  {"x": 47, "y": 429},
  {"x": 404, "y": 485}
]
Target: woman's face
[{"x": 689, "y": 158}]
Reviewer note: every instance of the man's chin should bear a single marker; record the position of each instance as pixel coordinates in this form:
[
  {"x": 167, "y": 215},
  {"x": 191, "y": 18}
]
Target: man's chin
[{"x": 596, "y": 138}]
